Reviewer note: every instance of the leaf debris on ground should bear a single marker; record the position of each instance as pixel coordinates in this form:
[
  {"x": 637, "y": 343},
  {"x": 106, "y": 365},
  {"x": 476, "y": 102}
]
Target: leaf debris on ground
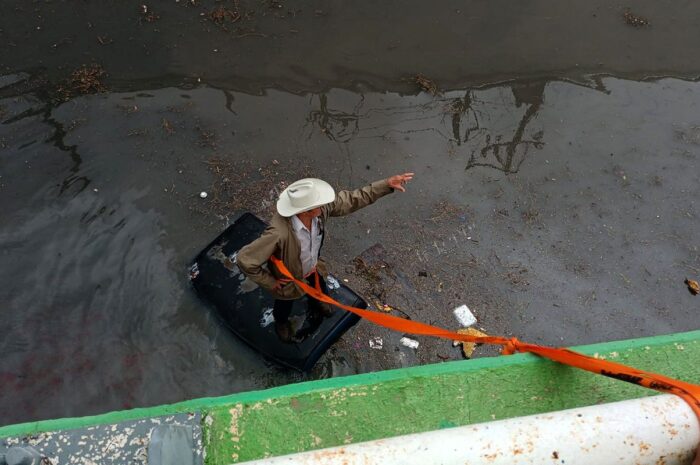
[
  {"x": 87, "y": 79},
  {"x": 241, "y": 185},
  {"x": 426, "y": 84},
  {"x": 222, "y": 15},
  {"x": 635, "y": 20}
]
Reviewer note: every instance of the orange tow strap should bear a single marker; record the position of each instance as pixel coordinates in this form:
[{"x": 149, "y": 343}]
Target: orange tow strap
[{"x": 687, "y": 391}]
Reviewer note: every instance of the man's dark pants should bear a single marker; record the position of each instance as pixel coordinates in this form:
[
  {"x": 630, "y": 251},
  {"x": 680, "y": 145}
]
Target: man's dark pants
[{"x": 283, "y": 308}]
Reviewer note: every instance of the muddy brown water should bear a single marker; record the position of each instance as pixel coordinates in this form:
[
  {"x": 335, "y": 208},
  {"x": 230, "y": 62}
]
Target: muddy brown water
[{"x": 561, "y": 210}]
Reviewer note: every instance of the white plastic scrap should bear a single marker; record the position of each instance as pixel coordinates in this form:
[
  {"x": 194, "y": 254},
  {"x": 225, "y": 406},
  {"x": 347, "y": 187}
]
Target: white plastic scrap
[
  {"x": 408, "y": 342},
  {"x": 332, "y": 282},
  {"x": 194, "y": 271},
  {"x": 267, "y": 317},
  {"x": 376, "y": 343},
  {"x": 465, "y": 317},
  {"x": 203, "y": 195}
]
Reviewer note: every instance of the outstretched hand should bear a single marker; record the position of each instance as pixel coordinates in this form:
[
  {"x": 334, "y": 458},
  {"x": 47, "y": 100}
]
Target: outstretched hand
[{"x": 399, "y": 181}]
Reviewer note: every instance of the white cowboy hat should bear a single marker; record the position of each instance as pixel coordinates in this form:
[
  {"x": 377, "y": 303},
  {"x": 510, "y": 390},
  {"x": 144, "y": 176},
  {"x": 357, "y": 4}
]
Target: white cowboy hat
[{"x": 303, "y": 195}]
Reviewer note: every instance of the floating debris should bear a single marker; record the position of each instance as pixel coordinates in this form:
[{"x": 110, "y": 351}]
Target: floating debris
[
  {"x": 223, "y": 15},
  {"x": 194, "y": 271},
  {"x": 203, "y": 195},
  {"x": 85, "y": 80},
  {"x": 465, "y": 317},
  {"x": 148, "y": 14},
  {"x": 167, "y": 126},
  {"x": 247, "y": 184},
  {"x": 408, "y": 342},
  {"x": 468, "y": 347},
  {"x": 267, "y": 318},
  {"x": 426, "y": 84},
  {"x": 332, "y": 282},
  {"x": 376, "y": 343},
  {"x": 634, "y": 20},
  {"x": 382, "y": 307},
  {"x": 693, "y": 286}
]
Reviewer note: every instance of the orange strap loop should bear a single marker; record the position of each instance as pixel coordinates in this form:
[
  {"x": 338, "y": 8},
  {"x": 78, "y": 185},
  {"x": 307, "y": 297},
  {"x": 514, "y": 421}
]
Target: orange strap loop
[{"x": 687, "y": 391}]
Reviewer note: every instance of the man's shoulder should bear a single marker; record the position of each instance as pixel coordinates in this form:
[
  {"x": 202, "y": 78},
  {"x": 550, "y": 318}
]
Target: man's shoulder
[{"x": 279, "y": 224}]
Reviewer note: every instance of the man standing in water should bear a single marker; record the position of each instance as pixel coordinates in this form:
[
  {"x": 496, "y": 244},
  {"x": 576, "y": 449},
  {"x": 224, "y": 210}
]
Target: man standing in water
[{"x": 295, "y": 236}]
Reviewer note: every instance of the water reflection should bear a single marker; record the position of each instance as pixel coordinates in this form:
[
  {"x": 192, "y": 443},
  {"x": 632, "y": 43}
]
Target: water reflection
[
  {"x": 497, "y": 150},
  {"x": 479, "y": 122},
  {"x": 494, "y": 127},
  {"x": 42, "y": 104},
  {"x": 338, "y": 126}
]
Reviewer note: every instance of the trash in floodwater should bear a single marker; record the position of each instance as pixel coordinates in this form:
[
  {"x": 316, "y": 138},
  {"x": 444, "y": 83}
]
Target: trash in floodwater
[
  {"x": 194, "y": 271},
  {"x": 468, "y": 347},
  {"x": 426, "y": 84},
  {"x": 267, "y": 318},
  {"x": 408, "y": 342},
  {"x": 383, "y": 307},
  {"x": 332, "y": 282},
  {"x": 693, "y": 286},
  {"x": 465, "y": 317},
  {"x": 203, "y": 195},
  {"x": 223, "y": 15},
  {"x": 376, "y": 343},
  {"x": 634, "y": 20}
]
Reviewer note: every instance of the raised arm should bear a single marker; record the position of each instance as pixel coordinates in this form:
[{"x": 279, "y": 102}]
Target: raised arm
[
  {"x": 347, "y": 202},
  {"x": 252, "y": 257}
]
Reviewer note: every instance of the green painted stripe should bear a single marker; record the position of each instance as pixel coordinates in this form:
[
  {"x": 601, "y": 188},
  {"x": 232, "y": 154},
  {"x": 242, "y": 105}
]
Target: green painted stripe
[
  {"x": 462, "y": 368},
  {"x": 428, "y": 398}
]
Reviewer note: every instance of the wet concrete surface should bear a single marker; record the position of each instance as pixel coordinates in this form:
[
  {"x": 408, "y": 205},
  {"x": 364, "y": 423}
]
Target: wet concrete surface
[{"x": 562, "y": 211}]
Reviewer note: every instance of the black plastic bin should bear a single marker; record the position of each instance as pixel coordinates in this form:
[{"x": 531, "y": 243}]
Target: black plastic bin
[{"x": 247, "y": 309}]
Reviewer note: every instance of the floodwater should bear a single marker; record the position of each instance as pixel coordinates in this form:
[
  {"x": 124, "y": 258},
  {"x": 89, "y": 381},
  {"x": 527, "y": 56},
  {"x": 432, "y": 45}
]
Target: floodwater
[{"x": 560, "y": 210}]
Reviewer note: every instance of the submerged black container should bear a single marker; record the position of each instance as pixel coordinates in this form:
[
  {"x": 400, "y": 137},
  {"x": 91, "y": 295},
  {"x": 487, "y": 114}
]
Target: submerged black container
[{"x": 247, "y": 309}]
